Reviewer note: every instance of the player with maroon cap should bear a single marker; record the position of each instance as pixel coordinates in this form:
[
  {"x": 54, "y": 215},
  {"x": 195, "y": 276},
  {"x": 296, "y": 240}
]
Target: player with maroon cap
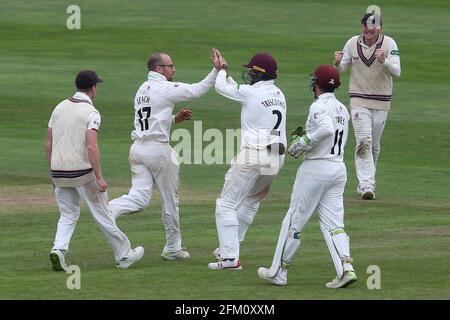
[
  {"x": 319, "y": 184},
  {"x": 261, "y": 156}
]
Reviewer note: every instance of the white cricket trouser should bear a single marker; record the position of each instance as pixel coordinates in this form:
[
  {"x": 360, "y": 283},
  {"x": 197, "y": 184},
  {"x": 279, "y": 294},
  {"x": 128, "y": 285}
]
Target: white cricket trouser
[
  {"x": 319, "y": 184},
  {"x": 368, "y": 125},
  {"x": 153, "y": 163},
  {"x": 247, "y": 182},
  {"x": 68, "y": 200}
]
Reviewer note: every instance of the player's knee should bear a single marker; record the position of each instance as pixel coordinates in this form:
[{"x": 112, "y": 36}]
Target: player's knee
[
  {"x": 246, "y": 218},
  {"x": 376, "y": 149},
  {"x": 363, "y": 147},
  {"x": 331, "y": 228},
  {"x": 141, "y": 197},
  {"x": 222, "y": 204},
  {"x": 69, "y": 218},
  {"x": 225, "y": 211}
]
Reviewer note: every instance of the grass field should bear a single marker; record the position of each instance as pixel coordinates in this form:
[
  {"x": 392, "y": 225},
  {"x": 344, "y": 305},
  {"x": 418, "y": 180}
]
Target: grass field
[{"x": 406, "y": 231}]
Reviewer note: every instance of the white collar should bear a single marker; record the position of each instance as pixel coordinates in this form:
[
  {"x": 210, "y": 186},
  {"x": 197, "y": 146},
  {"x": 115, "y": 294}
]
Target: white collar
[
  {"x": 82, "y": 96},
  {"x": 361, "y": 40},
  {"x": 326, "y": 95},
  {"x": 262, "y": 83},
  {"x": 152, "y": 75}
]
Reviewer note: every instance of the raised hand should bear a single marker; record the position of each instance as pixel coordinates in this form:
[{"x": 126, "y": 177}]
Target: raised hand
[
  {"x": 338, "y": 55},
  {"x": 215, "y": 58}
]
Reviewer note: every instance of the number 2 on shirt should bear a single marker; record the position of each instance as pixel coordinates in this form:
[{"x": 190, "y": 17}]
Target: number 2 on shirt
[{"x": 279, "y": 117}]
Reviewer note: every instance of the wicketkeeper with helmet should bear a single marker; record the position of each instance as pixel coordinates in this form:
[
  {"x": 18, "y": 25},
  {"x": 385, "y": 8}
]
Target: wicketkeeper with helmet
[{"x": 319, "y": 184}]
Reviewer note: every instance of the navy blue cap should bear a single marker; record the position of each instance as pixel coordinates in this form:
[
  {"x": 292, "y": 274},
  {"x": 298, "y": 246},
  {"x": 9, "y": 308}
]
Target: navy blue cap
[{"x": 86, "y": 79}]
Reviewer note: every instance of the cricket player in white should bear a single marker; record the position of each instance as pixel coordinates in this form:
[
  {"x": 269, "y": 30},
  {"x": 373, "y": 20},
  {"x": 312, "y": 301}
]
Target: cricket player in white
[
  {"x": 375, "y": 59},
  {"x": 263, "y": 142},
  {"x": 152, "y": 160},
  {"x": 319, "y": 184},
  {"x": 74, "y": 161}
]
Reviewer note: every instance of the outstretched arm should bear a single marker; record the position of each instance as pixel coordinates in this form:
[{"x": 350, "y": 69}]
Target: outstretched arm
[
  {"x": 179, "y": 92},
  {"x": 225, "y": 85}
]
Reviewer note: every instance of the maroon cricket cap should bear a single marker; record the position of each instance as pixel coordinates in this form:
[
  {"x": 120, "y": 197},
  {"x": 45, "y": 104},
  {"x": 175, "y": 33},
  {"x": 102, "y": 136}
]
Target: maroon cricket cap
[
  {"x": 326, "y": 75},
  {"x": 86, "y": 79},
  {"x": 264, "y": 63}
]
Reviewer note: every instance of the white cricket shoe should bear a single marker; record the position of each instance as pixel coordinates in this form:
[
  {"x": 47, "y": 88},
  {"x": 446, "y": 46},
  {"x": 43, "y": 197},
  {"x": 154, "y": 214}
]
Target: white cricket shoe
[
  {"x": 135, "y": 255},
  {"x": 58, "y": 260},
  {"x": 233, "y": 264},
  {"x": 216, "y": 253},
  {"x": 178, "y": 255},
  {"x": 280, "y": 278},
  {"x": 347, "y": 279}
]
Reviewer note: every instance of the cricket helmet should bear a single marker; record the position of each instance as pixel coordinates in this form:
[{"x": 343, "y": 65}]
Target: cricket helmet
[
  {"x": 326, "y": 75},
  {"x": 263, "y": 62}
]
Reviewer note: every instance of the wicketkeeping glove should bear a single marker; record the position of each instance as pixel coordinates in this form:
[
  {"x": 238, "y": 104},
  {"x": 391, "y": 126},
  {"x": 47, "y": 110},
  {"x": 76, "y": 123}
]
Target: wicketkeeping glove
[
  {"x": 299, "y": 145},
  {"x": 298, "y": 132}
]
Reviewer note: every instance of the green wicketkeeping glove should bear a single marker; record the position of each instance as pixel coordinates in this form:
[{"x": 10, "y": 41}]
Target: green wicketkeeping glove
[{"x": 297, "y": 133}]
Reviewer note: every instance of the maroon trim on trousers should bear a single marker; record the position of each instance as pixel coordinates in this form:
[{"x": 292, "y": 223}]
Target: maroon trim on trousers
[
  {"x": 75, "y": 100},
  {"x": 377, "y": 97},
  {"x": 69, "y": 174},
  {"x": 368, "y": 62}
]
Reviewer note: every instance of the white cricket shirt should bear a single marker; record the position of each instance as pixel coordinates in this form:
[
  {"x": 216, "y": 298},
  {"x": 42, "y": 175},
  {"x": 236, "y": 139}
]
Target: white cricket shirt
[
  {"x": 155, "y": 100},
  {"x": 263, "y": 114},
  {"x": 327, "y": 127}
]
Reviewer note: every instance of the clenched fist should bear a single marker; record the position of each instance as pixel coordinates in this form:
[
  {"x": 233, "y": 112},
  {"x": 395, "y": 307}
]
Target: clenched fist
[
  {"x": 338, "y": 57},
  {"x": 379, "y": 54}
]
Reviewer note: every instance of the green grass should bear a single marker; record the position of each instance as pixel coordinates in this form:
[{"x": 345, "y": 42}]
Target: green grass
[{"x": 406, "y": 231}]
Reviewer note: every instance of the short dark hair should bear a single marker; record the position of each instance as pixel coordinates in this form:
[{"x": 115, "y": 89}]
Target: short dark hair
[
  {"x": 154, "y": 60},
  {"x": 327, "y": 88},
  {"x": 373, "y": 19}
]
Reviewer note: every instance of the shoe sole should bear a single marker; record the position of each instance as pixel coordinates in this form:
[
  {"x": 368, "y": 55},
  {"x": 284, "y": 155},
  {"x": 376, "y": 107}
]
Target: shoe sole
[
  {"x": 271, "y": 281},
  {"x": 231, "y": 268},
  {"x": 56, "y": 263},
  {"x": 348, "y": 283},
  {"x": 345, "y": 285},
  {"x": 174, "y": 258}
]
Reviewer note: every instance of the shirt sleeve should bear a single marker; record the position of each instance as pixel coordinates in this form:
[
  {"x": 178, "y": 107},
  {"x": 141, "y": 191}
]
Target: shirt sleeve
[
  {"x": 324, "y": 124},
  {"x": 392, "y": 62},
  {"x": 179, "y": 92},
  {"x": 347, "y": 57},
  {"x": 228, "y": 88},
  {"x": 94, "y": 121}
]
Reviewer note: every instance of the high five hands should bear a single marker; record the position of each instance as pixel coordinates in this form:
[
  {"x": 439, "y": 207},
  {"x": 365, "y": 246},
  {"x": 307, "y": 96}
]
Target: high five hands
[{"x": 217, "y": 60}]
